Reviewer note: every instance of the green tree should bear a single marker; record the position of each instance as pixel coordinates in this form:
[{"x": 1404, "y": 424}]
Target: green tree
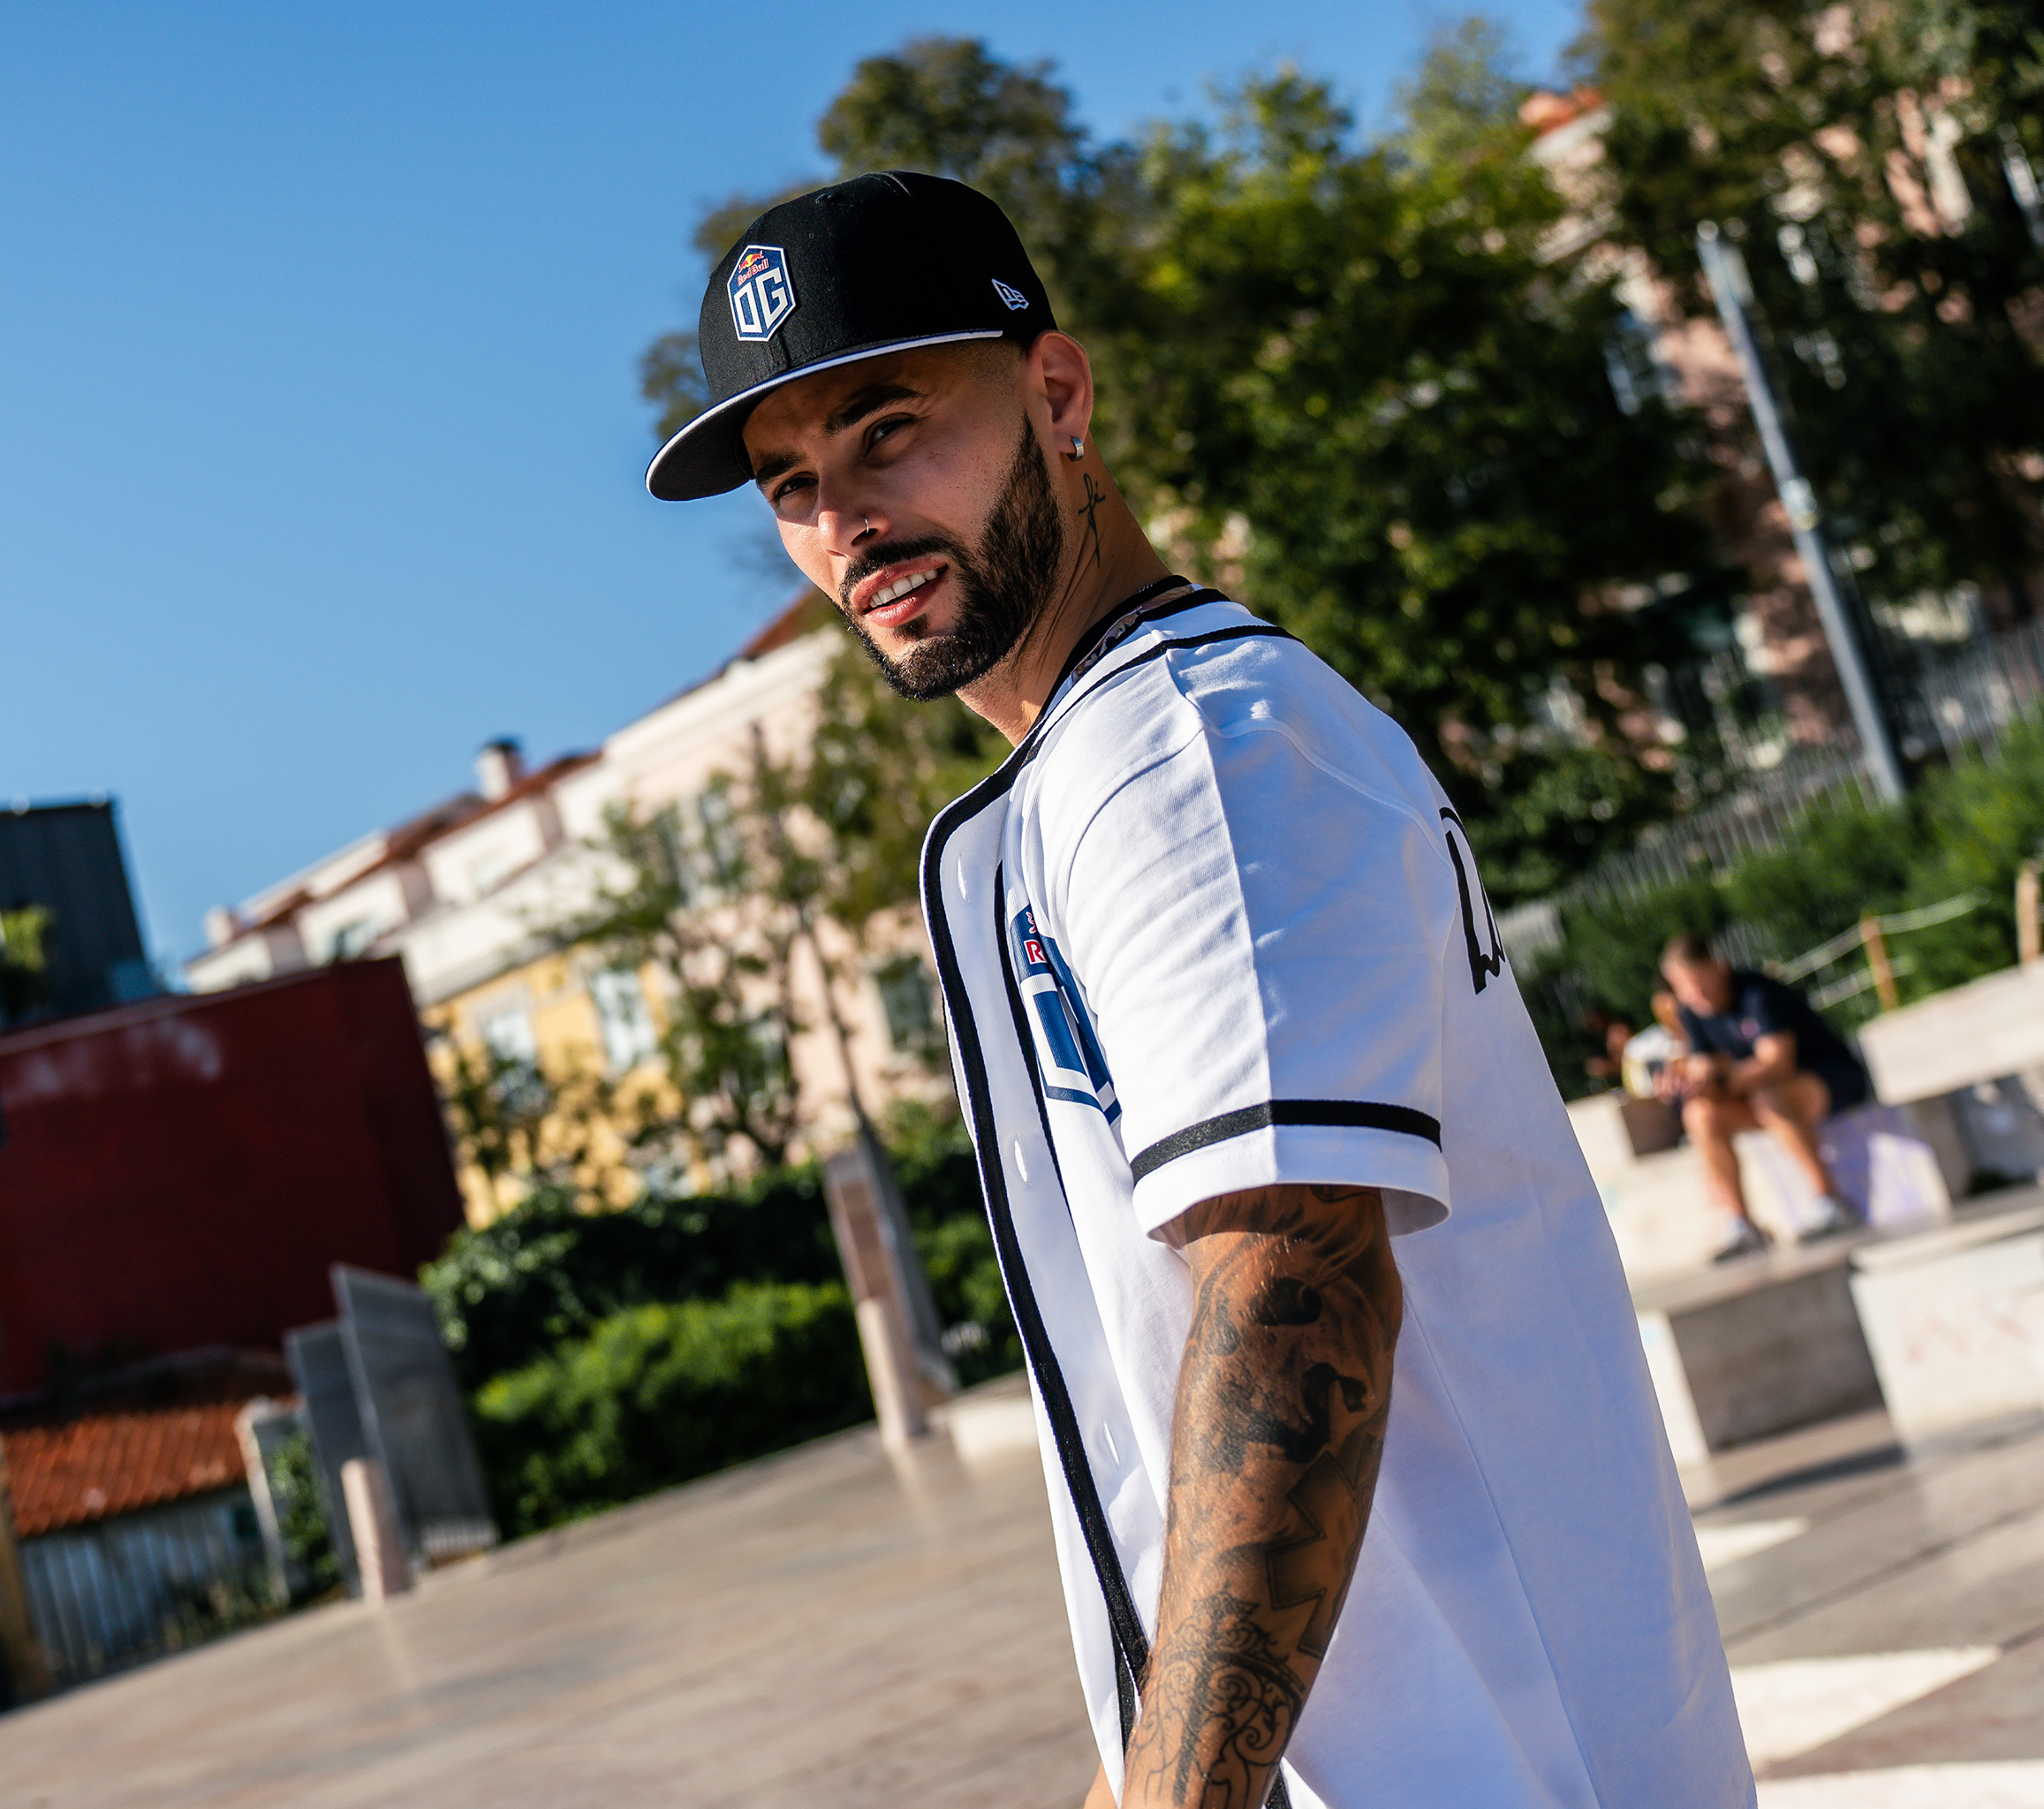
[
  {"x": 1356, "y": 385},
  {"x": 1862, "y": 156},
  {"x": 698, "y": 895},
  {"x": 301, "y": 1518},
  {"x": 1352, "y": 382},
  {"x": 22, "y": 960},
  {"x": 879, "y": 769}
]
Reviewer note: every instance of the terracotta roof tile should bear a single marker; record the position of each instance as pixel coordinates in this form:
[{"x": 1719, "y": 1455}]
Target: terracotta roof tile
[
  {"x": 156, "y": 1432},
  {"x": 107, "y": 1464}
]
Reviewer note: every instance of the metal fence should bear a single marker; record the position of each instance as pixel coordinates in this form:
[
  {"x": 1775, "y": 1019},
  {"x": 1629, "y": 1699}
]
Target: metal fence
[
  {"x": 1966, "y": 701},
  {"x": 105, "y": 1596}
]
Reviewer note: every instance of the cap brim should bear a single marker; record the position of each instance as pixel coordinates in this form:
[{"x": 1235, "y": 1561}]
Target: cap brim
[{"x": 708, "y": 457}]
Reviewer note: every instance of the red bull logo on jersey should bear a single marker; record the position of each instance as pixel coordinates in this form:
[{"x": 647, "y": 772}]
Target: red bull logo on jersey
[
  {"x": 762, "y": 293},
  {"x": 1069, "y": 1057}
]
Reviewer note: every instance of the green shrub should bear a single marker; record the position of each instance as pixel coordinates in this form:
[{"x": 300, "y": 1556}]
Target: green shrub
[
  {"x": 659, "y": 1393},
  {"x": 301, "y": 1518},
  {"x": 940, "y": 1185},
  {"x": 605, "y": 1353},
  {"x": 553, "y": 1268}
]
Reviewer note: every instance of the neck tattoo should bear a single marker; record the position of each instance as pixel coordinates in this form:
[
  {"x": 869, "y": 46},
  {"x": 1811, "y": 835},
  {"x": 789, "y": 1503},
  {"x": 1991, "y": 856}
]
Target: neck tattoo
[{"x": 1094, "y": 497}]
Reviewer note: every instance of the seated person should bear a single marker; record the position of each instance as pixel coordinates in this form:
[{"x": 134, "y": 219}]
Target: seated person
[
  {"x": 1648, "y": 1055},
  {"x": 1761, "y": 1058},
  {"x": 1606, "y": 1036}
]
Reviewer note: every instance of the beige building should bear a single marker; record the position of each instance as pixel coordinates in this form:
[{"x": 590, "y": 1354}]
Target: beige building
[{"x": 468, "y": 893}]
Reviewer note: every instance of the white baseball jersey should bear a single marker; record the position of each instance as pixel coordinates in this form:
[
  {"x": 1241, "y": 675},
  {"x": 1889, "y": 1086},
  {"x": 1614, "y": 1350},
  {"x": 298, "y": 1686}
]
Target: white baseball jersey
[{"x": 1213, "y": 927}]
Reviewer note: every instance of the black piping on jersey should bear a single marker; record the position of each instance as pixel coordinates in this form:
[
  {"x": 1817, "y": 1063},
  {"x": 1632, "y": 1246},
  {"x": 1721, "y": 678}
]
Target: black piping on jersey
[
  {"x": 1135, "y": 599},
  {"x": 1033, "y": 742},
  {"x": 1131, "y": 1648},
  {"x": 1349, "y": 1115},
  {"x": 1124, "y": 1624},
  {"x": 1132, "y": 1644},
  {"x": 1483, "y": 967}
]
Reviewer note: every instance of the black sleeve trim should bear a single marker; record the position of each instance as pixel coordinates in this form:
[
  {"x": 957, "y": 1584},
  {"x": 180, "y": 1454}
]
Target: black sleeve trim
[{"x": 1356, "y": 1115}]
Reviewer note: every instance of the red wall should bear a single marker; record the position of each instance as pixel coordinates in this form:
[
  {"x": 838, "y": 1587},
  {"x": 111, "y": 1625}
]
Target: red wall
[{"x": 183, "y": 1171}]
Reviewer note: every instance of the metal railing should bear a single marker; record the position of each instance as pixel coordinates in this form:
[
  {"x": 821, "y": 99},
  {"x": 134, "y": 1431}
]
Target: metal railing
[{"x": 1969, "y": 700}]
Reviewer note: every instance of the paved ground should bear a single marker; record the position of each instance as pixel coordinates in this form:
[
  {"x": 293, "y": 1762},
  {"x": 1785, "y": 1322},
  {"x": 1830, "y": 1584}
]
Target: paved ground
[{"x": 826, "y": 1630}]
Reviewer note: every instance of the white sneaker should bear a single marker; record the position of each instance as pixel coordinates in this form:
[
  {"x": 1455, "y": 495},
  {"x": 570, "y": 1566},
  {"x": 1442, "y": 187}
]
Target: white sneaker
[
  {"x": 1746, "y": 1239},
  {"x": 1828, "y": 1217}
]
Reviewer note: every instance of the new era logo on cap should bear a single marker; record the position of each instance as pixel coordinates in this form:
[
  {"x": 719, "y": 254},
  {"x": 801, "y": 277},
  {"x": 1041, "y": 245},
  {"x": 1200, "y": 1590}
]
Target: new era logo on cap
[
  {"x": 1014, "y": 298},
  {"x": 761, "y": 293}
]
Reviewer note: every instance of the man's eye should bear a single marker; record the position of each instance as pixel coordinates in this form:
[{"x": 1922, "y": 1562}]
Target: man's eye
[
  {"x": 881, "y": 429},
  {"x": 783, "y": 491}
]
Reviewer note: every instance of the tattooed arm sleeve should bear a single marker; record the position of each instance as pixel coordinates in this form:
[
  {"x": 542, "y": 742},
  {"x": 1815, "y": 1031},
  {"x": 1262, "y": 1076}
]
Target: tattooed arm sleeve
[{"x": 1279, "y": 1427}]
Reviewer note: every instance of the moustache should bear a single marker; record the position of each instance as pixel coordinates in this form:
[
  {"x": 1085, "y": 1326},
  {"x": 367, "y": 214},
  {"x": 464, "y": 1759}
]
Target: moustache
[{"x": 878, "y": 559}]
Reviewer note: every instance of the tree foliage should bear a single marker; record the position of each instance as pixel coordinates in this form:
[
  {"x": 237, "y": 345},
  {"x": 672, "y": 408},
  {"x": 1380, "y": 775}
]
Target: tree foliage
[
  {"x": 549, "y": 1270},
  {"x": 1861, "y": 157},
  {"x": 660, "y": 1393},
  {"x": 22, "y": 960},
  {"x": 879, "y": 769},
  {"x": 706, "y": 898},
  {"x": 1350, "y": 381}
]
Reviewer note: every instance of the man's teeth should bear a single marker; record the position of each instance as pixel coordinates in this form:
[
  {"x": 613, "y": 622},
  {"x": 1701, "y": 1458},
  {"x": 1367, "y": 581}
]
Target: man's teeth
[{"x": 901, "y": 586}]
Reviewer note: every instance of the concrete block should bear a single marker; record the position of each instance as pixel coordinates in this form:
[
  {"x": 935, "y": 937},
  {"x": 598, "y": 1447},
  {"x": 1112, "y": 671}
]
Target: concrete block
[
  {"x": 1678, "y": 1414},
  {"x": 1990, "y": 1027},
  {"x": 1659, "y": 1218},
  {"x": 1759, "y": 1347},
  {"x": 372, "y": 1520},
  {"x": 1947, "y": 1318}
]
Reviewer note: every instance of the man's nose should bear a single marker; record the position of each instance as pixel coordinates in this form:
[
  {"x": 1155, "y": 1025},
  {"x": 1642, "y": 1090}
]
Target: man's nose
[{"x": 850, "y": 524}]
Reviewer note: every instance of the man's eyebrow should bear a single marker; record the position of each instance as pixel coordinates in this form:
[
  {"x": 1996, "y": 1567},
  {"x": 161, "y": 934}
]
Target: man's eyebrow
[{"x": 861, "y": 403}]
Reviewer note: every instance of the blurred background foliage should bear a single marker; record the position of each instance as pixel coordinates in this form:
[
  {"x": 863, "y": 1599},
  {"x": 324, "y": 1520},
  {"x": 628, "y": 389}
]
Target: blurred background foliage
[
  {"x": 1349, "y": 380},
  {"x": 605, "y": 1353},
  {"x": 1967, "y": 830}
]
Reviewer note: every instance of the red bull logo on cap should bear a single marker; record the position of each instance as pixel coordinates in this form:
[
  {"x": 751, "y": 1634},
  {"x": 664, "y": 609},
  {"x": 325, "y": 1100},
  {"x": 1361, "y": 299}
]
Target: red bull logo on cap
[{"x": 762, "y": 293}]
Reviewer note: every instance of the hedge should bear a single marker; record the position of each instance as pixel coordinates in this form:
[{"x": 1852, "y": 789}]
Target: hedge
[{"x": 661, "y": 1393}]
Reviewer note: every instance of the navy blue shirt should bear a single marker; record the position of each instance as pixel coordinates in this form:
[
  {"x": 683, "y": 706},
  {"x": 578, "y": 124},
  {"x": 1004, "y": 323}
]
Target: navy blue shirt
[{"x": 1764, "y": 1007}]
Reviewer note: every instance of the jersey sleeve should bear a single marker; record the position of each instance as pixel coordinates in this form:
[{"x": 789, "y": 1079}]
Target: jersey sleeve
[{"x": 1262, "y": 945}]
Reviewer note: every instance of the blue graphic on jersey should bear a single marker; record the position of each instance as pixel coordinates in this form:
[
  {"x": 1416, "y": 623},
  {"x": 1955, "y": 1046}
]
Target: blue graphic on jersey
[{"x": 1074, "y": 1069}]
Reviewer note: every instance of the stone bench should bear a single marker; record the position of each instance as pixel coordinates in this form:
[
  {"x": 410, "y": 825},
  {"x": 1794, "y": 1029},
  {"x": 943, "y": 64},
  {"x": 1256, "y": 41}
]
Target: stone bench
[
  {"x": 1662, "y": 1219},
  {"x": 1953, "y": 1317},
  {"x": 1756, "y": 1347}
]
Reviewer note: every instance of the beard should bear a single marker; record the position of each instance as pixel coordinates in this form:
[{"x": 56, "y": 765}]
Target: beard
[{"x": 1003, "y": 585}]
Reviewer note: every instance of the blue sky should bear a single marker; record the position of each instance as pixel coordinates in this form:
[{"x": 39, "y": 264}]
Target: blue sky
[{"x": 320, "y": 439}]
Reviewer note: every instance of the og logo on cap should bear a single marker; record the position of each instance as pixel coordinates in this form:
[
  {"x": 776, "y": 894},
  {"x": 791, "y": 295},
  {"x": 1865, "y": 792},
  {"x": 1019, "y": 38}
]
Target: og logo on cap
[{"x": 762, "y": 295}]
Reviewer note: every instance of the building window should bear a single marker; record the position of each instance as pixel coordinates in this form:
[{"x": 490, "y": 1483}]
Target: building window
[
  {"x": 629, "y": 1037},
  {"x": 507, "y": 1032},
  {"x": 904, "y": 995},
  {"x": 352, "y": 938}
]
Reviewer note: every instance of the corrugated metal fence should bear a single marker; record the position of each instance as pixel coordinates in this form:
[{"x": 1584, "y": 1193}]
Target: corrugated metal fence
[{"x": 112, "y": 1594}]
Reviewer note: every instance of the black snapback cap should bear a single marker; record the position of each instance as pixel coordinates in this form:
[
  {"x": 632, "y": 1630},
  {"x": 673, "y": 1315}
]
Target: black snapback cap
[{"x": 876, "y": 264}]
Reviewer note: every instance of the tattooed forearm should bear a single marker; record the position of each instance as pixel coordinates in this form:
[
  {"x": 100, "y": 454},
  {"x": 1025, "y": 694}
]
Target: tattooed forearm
[{"x": 1280, "y": 1422}]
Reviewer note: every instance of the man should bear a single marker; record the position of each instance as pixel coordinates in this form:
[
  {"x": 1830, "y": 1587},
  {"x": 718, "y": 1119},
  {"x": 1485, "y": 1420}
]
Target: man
[
  {"x": 1760, "y": 1058},
  {"x": 1230, "y": 1020}
]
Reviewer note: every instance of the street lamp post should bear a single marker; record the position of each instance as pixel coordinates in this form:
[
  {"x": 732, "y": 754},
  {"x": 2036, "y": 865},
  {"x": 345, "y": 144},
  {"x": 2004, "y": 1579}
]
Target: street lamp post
[{"x": 1728, "y": 286}]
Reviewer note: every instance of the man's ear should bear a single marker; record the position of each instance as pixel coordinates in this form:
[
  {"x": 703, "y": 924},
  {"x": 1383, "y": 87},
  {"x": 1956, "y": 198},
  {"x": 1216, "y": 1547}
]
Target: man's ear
[{"x": 1058, "y": 370}]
